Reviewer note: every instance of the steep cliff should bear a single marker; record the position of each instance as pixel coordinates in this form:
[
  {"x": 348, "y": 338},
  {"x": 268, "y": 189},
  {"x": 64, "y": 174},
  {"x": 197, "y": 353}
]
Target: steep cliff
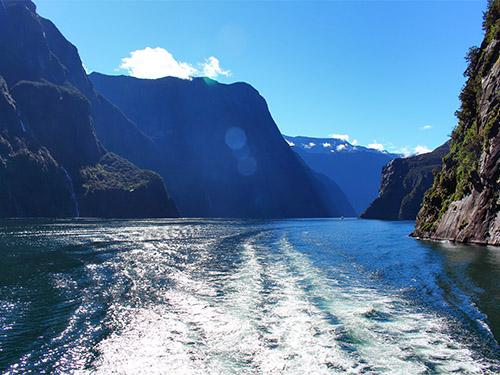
[
  {"x": 32, "y": 184},
  {"x": 222, "y": 153},
  {"x": 49, "y": 129},
  {"x": 104, "y": 184},
  {"x": 463, "y": 204},
  {"x": 403, "y": 185}
]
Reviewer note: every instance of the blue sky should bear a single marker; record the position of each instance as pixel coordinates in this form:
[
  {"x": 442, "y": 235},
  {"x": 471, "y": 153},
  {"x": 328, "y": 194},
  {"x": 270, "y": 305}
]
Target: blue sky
[{"x": 385, "y": 73}]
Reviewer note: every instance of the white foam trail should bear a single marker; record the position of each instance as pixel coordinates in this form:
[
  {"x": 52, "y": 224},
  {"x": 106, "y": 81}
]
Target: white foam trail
[
  {"x": 293, "y": 336},
  {"x": 387, "y": 334},
  {"x": 272, "y": 312}
]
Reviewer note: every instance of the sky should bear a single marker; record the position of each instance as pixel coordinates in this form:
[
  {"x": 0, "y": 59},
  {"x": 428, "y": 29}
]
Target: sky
[{"x": 382, "y": 74}]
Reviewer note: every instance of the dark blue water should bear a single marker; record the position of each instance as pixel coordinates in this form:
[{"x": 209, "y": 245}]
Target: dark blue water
[{"x": 245, "y": 297}]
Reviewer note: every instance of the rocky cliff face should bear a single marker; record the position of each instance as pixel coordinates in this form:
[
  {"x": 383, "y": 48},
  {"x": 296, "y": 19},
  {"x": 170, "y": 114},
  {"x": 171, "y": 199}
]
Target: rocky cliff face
[
  {"x": 463, "y": 205},
  {"x": 47, "y": 114},
  {"x": 404, "y": 183},
  {"x": 222, "y": 153},
  {"x": 38, "y": 51},
  {"x": 32, "y": 183}
]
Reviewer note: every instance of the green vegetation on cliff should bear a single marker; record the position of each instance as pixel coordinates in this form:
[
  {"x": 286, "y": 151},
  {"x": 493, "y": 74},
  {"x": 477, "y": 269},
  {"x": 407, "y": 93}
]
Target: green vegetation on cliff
[
  {"x": 114, "y": 187},
  {"x": 473, "y": 150},
  {"x": 114, "y": 172}
]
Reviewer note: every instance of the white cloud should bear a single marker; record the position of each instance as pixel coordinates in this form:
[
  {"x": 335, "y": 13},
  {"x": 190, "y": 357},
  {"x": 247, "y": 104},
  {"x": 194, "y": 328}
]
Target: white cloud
[
  {"x": 309, "y": 146},
  {"x": 341, "y": 147},
  {"x": 426, "y": 127},
  {"x": 158, "y": 62},
  {"x": 406, "y": 152},
  {"x": 211, "y": 68},
  {"x": 376, "y": 146},
  {"x": 290, "y": 143},
  {"x": 343, "y": 137},
  {"x": 409, "y": 151},
  {"x": 155, "y": 63},
  {"x": 326, "y": 144},
  {"x": 421, "y": 149},
  {"x": 354, "y": 142}
]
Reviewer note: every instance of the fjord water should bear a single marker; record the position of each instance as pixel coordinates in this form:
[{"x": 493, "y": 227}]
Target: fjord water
[{"x": 239, "y": 296}]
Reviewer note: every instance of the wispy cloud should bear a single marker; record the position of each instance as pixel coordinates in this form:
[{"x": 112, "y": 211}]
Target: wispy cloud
[
  {"x": 341, "y": 147},
  {"x": 408, "y": 151},
  {"x": 376, "y": 146},
  {"x": 343, "y": 137},
  {"x": 326, "y": 145},
  {"x": 422, "y": 149},
  {"x": 158, "y": 62},
  {"x": 426, "y": 127},
  {"x": 211, "y": 68}
]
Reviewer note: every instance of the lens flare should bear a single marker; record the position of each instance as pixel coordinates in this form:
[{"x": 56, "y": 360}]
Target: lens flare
[
  {"x": 235, "y": 138},
  {"x": 247, "y": 166}
]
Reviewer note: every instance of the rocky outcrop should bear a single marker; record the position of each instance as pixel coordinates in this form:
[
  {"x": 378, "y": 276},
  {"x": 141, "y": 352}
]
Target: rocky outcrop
[
  {"x": 222, "y": 154},
  {"x": 404, "y": 183},
  {"x": 463, "y": 205},
  {"x": 116, "y": 188},
  {"x": 52, "y": 160}
]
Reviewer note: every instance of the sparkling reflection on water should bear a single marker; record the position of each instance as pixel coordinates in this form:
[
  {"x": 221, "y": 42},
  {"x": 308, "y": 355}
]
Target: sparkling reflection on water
[{"x": 241, "y": 296}]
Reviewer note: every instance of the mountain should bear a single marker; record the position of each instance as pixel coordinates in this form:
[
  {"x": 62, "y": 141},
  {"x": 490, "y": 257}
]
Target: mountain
[
  {"x": 51, "y": 162},
  {"x": 222, "y": 154},
  {"x": 356, "y": 169},
  {"x": 404, "y": 183},
  {"x": 40, "y": 52},
  {"x": 31, "y": 182},
  {"x": 463, "y": 204}
]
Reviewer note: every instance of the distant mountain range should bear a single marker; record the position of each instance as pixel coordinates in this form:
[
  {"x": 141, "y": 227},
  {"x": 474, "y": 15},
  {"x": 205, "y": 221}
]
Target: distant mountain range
[{"x": 356, "y": 169}]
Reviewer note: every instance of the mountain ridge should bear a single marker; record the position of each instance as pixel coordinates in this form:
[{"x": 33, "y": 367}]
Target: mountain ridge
[
  {"x": 210, "y": 133},
  {"x": 49, "y": 122}
]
